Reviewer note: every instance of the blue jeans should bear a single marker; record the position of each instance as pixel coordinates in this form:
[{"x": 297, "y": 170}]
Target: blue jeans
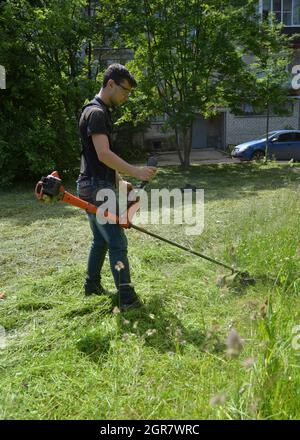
[{"x": 109, "y": 237}]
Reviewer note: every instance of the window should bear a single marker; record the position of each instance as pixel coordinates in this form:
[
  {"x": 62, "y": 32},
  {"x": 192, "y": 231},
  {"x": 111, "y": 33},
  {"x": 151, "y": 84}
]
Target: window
[
  {"x": 277, "y": 9},
  {"x": 159, "y": 119},
  {"x": 246, "y": 109},
  {"x": 285, "y": 11},
  {"x": 296, "y": 13},
  {"x": 266, "y": 7},
  {"x": 297, "y": 137},
  {"x": 286, "y": 137}
]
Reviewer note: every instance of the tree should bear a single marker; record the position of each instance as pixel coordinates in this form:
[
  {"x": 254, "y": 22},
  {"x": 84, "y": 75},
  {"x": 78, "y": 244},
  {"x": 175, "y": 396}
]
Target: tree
[
  {"x": 42, "y": 46},
  {"x": 193, "y": 56}
]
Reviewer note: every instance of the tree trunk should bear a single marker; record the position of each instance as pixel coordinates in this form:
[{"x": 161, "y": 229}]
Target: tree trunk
[
  {"x": 178, "y": 146},
  {"x": 184, "y": 144},
  {"x": 187, "y": 140}
]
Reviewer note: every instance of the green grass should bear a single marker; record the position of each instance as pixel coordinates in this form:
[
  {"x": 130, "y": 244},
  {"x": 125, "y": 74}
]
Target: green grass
[{"x": 69, "y": 357}]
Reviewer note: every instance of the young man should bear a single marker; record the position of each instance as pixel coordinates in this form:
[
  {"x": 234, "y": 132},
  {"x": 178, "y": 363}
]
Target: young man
[{"x": 100, "y": 167}]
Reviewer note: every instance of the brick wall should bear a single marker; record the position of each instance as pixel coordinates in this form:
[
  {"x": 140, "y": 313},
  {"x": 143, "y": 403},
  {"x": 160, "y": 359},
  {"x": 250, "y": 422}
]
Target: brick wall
[{"x": 242, "y": 129}]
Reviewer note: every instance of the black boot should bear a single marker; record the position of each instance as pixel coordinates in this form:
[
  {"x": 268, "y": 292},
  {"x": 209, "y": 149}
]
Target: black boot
[
  {"x": 128, "y": 298},
  {"x": 94, "y": 289}
]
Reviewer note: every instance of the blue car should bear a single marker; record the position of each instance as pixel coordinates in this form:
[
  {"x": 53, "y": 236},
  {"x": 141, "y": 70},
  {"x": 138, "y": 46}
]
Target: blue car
[{"x": 282, "y": 145}]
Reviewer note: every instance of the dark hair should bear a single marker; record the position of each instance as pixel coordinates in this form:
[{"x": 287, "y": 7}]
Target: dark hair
[{"x": 117, "y": 72}]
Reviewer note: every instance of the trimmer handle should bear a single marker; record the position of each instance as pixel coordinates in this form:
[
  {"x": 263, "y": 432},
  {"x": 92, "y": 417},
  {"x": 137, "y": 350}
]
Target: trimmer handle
[
  {"x": 151, "y": 162},
  {"x": 133, "y": 206}
]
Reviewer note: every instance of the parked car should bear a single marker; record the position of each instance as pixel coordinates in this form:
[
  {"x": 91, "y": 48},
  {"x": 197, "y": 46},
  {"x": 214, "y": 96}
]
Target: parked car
[{"x": 282, "y": 145}]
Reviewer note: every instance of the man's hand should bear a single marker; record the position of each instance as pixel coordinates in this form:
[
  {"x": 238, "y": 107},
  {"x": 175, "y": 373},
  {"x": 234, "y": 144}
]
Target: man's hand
[{"x": 145, "y": 174}]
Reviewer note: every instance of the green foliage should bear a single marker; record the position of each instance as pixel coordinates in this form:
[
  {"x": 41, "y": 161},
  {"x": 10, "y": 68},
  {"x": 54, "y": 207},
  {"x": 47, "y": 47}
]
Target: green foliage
[
  {"x": 125, "y": 144},
  {"x": 41, "y": 48}
]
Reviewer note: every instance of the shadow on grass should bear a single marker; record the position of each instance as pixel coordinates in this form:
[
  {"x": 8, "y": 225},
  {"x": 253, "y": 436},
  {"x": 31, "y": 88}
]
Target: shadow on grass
[
  {"x": 22, "y": 207},
  {"x": 104, "y": 307},
  {"x": 163, "y": 330},
  {"x": 32, "y": 306},
  {"x": 155, "y": 327},
  {"x": 95, "y": 346},
  {"x": 220, "y": 182},
  {"x": 229, "y": 181},
  {"x": 31, "y": 211}
]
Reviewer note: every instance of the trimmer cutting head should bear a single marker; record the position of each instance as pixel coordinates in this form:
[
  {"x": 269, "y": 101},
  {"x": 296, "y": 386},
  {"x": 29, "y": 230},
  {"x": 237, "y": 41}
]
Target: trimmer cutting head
[{"x": 236, "y": 279}]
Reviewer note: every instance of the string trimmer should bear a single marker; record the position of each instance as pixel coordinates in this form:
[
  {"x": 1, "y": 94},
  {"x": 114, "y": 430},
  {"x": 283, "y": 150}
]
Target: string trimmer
[{"x": 50, "y": 189}]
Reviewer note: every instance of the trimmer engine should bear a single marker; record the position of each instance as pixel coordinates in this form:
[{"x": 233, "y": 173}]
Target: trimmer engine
[{"x": 49, "y": 188}]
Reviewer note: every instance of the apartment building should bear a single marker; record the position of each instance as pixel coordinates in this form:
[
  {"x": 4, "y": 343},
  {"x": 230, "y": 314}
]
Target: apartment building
[
  {"x": 227, "y": 128},
  {"x": 251, "y": 125}
]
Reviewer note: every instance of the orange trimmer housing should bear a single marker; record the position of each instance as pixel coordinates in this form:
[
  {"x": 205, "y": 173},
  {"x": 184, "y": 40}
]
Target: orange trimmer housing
[{"x": 50, "y": 189}]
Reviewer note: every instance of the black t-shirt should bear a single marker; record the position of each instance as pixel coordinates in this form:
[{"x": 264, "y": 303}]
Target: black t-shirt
[{"x": 95, "y": 119}]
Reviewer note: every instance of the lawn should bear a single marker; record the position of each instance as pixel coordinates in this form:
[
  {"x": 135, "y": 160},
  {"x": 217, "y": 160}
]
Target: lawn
[{"x": 66, "y": 356}]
